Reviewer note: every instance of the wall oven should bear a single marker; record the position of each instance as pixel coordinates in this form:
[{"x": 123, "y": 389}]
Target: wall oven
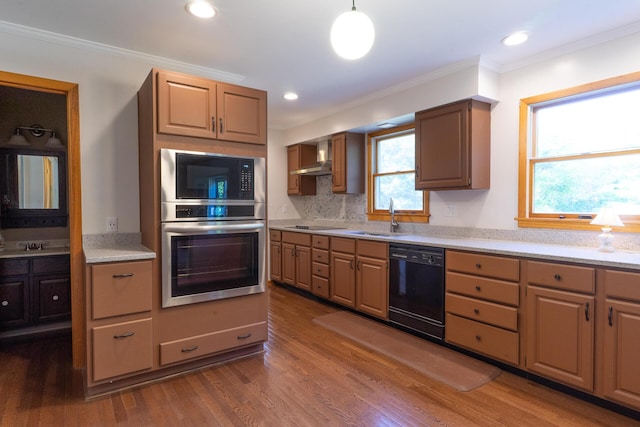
[{"x": 213, "y": 226}]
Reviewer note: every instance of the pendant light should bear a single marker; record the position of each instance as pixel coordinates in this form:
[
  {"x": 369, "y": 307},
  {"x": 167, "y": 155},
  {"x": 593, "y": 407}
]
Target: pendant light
[{"x": 352, "y": 34}]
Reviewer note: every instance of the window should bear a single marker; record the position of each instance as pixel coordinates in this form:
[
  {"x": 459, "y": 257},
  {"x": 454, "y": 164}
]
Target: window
[
  {"x": 392, "y": 175},
  {"x": 579, "y": 152}
]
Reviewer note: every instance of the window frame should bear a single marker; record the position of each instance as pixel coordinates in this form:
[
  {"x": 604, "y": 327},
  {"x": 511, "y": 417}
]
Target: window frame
[
  {"x": 526, "y": 218},
  {"x": 383, "y": 214}
]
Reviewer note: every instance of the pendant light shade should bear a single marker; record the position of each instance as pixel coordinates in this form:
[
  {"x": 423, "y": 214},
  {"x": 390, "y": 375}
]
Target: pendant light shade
[{"x": 352, "y": 34}]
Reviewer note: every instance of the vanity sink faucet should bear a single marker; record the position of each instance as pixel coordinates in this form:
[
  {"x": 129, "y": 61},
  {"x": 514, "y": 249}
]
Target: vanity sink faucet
[{"x": 394, "y": 224}]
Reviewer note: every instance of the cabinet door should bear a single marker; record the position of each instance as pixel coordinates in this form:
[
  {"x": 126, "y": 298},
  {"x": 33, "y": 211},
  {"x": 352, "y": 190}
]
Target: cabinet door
[
  {"x": 51, "y": 298},
  {"x": 303, "y": 267},
  {"x": 338, "y": 163},
  {"x": 300, "y": 155},
  {"x": 14, "y": 302},
  {"x": 622, "y": 352},
  {"x": 186, "y": 105},
  {"x": 289, "y": 263},
  {"x": 560, "y": 334},
  {"x": 343, "y": 279},
  {"x": 242, "y": 114},
  {"x": 372, "y": 289},
  {"x": 275, "y": 255}
]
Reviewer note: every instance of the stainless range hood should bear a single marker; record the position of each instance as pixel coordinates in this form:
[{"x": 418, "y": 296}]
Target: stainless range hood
[{"x": 322, "y": 166}]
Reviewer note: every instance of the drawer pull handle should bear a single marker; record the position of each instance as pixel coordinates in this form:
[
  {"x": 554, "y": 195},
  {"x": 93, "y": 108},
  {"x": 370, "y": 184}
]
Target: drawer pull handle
[
  {"x": 478, "y": 265},
  {"x": 55, "y": 298},
  {"x": 557, "y": 277},
  {"x": 125, "y": 335},
  {"x": 122, "y": 276},
  {"x": 476, "y": 311},
  {"x": 610, "y": 315},
  {"x": 478, "y": 337},
  {"x": 478, "y": 288},
  {"x": 586, "y": 312},
  {"x": 244, "y": 337},
  {"x": 189, "y": 349},
  {"x": 5, "y": 303}
]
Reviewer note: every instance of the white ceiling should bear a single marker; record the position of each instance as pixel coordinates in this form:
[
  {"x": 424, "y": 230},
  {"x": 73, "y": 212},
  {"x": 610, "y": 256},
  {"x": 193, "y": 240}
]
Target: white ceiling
[{"x": 284, "y": 45}]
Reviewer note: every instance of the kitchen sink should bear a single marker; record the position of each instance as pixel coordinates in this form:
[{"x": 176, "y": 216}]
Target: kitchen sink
[{"x": 371, "y": 233}]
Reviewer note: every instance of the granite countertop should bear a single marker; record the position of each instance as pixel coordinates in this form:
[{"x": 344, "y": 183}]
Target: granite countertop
[
  {"x": 20, "y": 253},
  {"x": 574, "y": 254},
  {"x": 94, "y": 255}
]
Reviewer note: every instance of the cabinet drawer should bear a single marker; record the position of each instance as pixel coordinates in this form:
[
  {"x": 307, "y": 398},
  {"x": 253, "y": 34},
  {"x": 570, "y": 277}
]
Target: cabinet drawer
[
  {"x": 560, "y": 276},
  {"x": 341, "y": 244},
  {"x": 320, "y": 286},
  {"x": 303, "y": 239},
  {"x": 372, "y": 249},
  {"x": 483, "y": 288},
  {"x": 13, "y": 302},
  {"x": 321, "y": 242},
  {"x": 489, "y": 340},
  {"x": 120, "y": 288},
  {"x": 122, "y": 349},
  {"x": 50, "y": 264},
  {"x": 484, "y": 265},
  {"x": 204, "y": 345},
  {"x": 275, "y": 235},
  {"x": 320, "y": 255},
  {"x": 622, "y": 284},
  {"x": 319, "y": 269},
  {"x": 482, "y": 311},
  {"x": 13, "y": 267}
]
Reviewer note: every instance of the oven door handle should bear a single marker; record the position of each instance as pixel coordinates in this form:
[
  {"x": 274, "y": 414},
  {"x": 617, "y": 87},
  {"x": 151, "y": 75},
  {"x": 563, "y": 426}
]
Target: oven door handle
[{"x": 200, "y": 227}]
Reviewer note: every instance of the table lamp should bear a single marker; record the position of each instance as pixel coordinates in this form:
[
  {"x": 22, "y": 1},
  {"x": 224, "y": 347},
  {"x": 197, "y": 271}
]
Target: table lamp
[{"x": 607, "y": 217}]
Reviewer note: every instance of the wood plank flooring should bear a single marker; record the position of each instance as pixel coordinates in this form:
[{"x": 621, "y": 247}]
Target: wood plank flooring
[{"x": 307, "y": 376}]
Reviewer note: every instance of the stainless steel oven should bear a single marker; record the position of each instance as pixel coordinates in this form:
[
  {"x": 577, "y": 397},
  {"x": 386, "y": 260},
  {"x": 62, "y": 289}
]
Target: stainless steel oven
[{"x": 213, "y": 226}]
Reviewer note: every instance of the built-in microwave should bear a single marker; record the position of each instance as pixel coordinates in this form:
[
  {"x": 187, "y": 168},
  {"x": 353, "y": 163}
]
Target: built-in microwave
[{"x": 198, "y": 186}]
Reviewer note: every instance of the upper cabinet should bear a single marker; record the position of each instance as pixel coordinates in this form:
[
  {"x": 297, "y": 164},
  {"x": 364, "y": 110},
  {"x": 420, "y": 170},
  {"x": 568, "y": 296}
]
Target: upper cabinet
[
  {"x": 202, "y": 108},
  {"x": 347, "y": 152},
  {"x": 300, "y": 155},
  {"x": 453, "y": 146}
]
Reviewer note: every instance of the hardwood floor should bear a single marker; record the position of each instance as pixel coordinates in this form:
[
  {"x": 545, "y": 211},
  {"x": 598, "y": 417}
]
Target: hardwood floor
[{"x": 307, "y": 376}]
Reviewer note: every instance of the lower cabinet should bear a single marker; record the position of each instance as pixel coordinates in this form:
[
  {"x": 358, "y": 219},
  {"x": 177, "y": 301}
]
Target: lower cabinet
[
  {"x": 296, "y": 260},
  {"x": 372, "y": 278},
  {"x": 275, "y": 255},
  {"x": 320, "y": 266},
  {"x": 343, "y": 273}
]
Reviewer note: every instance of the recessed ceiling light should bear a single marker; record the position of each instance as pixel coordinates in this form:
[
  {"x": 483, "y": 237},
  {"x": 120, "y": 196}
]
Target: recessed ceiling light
[
  {"x": 200, "y": 9},
  {"x": 515, "y": 39},
  {"x": 386, "y": 125},
  {"x": 290, "y": 96}
]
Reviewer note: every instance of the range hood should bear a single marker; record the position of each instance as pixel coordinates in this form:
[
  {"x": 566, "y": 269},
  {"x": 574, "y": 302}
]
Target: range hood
[{"x": 323, "y": 164}]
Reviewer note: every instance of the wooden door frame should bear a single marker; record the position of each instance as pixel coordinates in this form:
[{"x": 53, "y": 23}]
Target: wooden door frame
[{"x": 70, "y": 90}]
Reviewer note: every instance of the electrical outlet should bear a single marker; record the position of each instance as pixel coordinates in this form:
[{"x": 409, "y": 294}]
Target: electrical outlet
[
  {"x": 452, "y": 211},
  {"x": 112, "y": 224}
]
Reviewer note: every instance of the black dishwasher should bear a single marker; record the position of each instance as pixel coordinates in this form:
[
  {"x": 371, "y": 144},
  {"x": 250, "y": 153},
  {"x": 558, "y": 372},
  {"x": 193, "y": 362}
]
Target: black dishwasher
[{"x": 416, "y": 288}]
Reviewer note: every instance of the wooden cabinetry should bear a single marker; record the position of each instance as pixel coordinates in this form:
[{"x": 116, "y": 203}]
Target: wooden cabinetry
[
  {"x": 197, "y": 107},
  {"x": 275, "y": 255},
  {"x": 453, "y": 146},
  {"x": 320, "y": 266},
  {"x": 296, "y": 259},
  {"x": 347, "y": 163},
  {"x": 372, "y": 278},
  {"x": 343, "y": 273},
  {"x": 560, "y": 322},
  {"x": 119, "y": 323},
  {"x": 34, "y": 291},
  {"x": 298, "y": 156},
  {"x": 621, "y": 351},
  {"x": 481, "y": 302}
]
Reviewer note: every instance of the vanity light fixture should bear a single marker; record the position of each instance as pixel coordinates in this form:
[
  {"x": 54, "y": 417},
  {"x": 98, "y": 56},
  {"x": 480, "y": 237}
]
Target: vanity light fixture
[
  {"x": 515, "y": 38},
  {"x": 36, "y": 130},
  {"x": 200, "y": 9},
  {"x": 607, "y": 217},
  {"x": 352, "y": 34},
  {"x": 17, "y": 138}
]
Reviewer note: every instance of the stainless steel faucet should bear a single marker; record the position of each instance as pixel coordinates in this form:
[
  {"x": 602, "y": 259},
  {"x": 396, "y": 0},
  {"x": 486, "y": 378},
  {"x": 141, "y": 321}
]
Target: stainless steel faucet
[{"x": 394, "y": 224}]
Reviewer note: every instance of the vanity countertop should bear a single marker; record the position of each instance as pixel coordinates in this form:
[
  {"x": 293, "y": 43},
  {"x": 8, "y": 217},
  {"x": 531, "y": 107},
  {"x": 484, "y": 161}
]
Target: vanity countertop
[{"x": 20, "y": 253}]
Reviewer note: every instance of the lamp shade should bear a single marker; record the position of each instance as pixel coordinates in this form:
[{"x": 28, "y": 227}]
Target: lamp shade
[
  {"x": 607, "y": 217},
  {"x": 352, "y": 34},
  {"x": 17, "y": 139}
]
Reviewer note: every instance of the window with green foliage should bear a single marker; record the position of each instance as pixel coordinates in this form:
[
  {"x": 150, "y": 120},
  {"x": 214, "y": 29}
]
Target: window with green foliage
[
  {"x": 392, "y": 175},
  {"x": 582, "y": 153}
]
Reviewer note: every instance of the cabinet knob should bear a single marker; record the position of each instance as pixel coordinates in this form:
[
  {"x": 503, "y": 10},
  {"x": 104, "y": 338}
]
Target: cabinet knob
[
  {"x": 557, "y": 277},
  {"x": 476, "y": 311},
  {"x": 478, "y": 337},
  {"x": 4, "y": 303},
  {"x": 55, "y": 297},
  {"x": 478, "y": 265},
  {"x": 478, "y": 288}
]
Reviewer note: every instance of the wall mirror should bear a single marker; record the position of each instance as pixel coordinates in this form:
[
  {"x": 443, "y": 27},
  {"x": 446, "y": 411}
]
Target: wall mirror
[{"x": 33, "y": 188}]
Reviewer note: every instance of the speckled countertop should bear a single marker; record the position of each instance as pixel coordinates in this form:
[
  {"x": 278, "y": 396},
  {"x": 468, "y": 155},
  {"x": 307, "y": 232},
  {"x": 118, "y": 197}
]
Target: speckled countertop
[
  {"x": 552, "y": 252},
  {"x": 115, "y": 247}
]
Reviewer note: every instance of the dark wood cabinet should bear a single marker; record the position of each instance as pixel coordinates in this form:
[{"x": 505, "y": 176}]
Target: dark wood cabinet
[
  {"x": 453, "y": 146},
  {"x": 347, "y": 163},
  {"x": 34, "y": 291},
  {"x": 300, "y": 155}
]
